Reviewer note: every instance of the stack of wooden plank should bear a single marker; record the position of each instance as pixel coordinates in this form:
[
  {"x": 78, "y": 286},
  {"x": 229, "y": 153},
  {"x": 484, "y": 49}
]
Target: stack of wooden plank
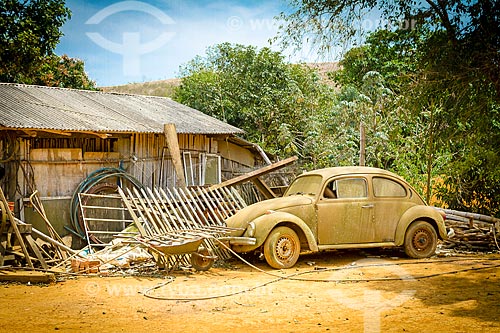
[{"x": 472, "y": 232}]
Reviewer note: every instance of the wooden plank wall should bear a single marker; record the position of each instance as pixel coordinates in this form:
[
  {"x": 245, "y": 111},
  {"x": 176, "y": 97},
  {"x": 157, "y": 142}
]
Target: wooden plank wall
[
  {"x": 147, "y": 151},
  {"x": 58, "y": 165}
]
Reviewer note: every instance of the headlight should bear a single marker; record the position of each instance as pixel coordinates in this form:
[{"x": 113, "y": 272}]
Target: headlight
[{"x": 250, "y": 232}]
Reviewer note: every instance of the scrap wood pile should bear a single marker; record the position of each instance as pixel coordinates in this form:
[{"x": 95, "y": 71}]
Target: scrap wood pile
[
  {"x": 471, "y": 232},
  {"x": 170, "y": 223},
  {"x": 19, "y": 249},
  {"x": 179, "y": 226}
]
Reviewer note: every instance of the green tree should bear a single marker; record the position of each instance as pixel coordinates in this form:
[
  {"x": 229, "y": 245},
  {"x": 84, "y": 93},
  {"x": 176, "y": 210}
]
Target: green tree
[
  {"x": 64, "y": 72},
  {"x": 29, "y": 33},
  {"x": 257, "y": 91},
  {"x": 390, "y": 53}
]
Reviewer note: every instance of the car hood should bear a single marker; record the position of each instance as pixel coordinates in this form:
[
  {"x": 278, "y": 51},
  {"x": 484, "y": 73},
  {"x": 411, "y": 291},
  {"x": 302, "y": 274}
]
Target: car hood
[{"x": 249, "y": 213}]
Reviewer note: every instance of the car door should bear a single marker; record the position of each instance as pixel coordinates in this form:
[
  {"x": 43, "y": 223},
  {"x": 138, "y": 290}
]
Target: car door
[
  {"x": 345, "y": 216},
  {"x": 391, "y": 200}
]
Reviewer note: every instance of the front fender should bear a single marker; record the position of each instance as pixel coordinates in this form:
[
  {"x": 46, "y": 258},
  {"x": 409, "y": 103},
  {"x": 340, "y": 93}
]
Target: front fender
[
  {"x": 419, "y": 212},
  {"x": 265, "y": 223}
]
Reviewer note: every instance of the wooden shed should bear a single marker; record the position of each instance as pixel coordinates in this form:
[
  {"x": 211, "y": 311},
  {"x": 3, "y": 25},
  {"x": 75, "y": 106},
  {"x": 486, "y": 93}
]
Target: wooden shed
[{"x": 51, "y": 139}]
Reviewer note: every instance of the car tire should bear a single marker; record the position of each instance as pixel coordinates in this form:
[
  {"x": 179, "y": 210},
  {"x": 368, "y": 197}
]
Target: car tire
[
  {"x": 282, "y": 248},
  {"x": 420, "y": 240}
]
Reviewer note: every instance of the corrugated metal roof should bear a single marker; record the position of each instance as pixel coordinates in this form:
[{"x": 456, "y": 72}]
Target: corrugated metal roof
[{"x": 37, "y": 107}]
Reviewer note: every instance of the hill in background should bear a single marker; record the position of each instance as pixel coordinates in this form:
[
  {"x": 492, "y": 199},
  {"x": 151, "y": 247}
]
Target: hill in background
[
  {"x": 166, "y": 88},
  {"x": 162, "y": 88}
]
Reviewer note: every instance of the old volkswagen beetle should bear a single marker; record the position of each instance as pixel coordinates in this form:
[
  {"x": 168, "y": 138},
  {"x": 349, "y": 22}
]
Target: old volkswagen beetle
[{"x": 338, "y": 208}]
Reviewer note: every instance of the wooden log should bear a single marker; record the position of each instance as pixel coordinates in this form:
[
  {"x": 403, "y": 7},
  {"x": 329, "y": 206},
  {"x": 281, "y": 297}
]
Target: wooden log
[
  {"x": 48, "y": 239},
  {"x": 34, "y": 248},
  {"x": 27, "y": 277},
  {"x": 173, "y": 146},
  {"x": 264, "y": 188},
  {"x": 454, "y": 219},
  {"x": 36, "y": 202},
  {"x": 256, "y": 173},
  {"x": 475, "y": 216}
]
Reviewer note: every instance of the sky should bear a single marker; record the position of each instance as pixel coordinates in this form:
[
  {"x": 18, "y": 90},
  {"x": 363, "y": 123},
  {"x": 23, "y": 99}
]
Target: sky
[{"x": 137, "y": 41}]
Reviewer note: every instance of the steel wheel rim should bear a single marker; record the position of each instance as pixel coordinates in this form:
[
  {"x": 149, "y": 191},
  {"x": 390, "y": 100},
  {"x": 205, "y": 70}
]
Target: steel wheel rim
[
  {"x": 421, "y": 240},
  {"x": 285, "y": 248}
]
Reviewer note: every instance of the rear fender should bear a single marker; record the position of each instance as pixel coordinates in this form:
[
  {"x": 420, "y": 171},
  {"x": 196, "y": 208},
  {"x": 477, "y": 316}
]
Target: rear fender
[{"x": 422, "y": 213}]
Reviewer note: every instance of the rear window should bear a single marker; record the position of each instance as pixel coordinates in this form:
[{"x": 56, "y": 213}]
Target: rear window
[{"x": 383, "y": 187}]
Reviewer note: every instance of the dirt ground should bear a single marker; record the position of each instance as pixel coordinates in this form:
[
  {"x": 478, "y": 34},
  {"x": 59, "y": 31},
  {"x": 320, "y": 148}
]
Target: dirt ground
[{"x": 396, "y": 294}]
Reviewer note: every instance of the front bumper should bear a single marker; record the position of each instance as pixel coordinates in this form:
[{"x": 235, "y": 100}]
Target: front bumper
[{"x": 239, "y": 240}]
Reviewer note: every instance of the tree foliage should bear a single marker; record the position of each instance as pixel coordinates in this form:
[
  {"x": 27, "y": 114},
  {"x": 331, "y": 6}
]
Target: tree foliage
[
  {"x": 469, "y": 28},
  {"x": 441, "y": 60},
  {"x": 257, "y": 91},
  {"x": 64, "y": 72},
  {"x": 29, "y": 33}
]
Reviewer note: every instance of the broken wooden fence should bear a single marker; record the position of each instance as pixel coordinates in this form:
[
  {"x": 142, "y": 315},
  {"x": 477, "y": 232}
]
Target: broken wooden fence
[{"x": 159, "y": 212}]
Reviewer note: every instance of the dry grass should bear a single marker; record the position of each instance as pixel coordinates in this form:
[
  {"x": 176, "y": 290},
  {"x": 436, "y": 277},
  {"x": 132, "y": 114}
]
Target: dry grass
[{"x": 162, "y": 88}]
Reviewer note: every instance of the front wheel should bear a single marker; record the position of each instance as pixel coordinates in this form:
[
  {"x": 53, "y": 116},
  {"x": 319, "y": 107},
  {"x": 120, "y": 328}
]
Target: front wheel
[
  {"x": 282, "y": 248},
  {"x": 420, "y": 240}
]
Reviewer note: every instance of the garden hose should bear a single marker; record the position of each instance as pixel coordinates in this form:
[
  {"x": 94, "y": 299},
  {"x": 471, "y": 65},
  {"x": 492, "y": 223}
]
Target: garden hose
[{"x": 91, "y": 182}]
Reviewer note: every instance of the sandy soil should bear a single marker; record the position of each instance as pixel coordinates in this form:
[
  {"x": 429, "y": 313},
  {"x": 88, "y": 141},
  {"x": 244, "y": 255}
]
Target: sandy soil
[{"x": 442, "y": 294}]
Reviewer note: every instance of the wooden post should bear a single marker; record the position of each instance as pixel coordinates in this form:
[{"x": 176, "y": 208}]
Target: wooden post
[
  {"x": 173, "y": 147},
  {"x": 362, "y": 144}
]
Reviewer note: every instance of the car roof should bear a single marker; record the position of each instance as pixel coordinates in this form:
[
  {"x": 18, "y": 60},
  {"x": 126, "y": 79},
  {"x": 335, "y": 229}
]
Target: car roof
[{"x": 351, "y": 170}]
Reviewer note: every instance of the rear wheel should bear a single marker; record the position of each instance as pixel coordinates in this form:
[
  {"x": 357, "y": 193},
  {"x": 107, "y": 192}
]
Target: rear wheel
[
  {"x": 282, "y": 248},
  {"x": 420, "y": 240}
]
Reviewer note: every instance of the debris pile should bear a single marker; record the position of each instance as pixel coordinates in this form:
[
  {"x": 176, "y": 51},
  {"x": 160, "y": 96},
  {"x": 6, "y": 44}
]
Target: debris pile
[
  {"x": 172, "y": 227},
  {"x": 133, "y": 229},
  {"x": 471, "y": 232},
  {"x": 15, "y": 234}
]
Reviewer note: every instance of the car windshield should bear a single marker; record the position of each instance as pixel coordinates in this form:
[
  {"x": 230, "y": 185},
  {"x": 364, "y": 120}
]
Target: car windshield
[{"x": 309, "y": 185}]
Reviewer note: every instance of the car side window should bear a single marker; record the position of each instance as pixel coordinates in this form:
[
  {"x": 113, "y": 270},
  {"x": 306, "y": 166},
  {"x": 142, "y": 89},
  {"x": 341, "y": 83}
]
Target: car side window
[
  {"x": 383, "y": 187},
  {"x": 351, "y": 188}
]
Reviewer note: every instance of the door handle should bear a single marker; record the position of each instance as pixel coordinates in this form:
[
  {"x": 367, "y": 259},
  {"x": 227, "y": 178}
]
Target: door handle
[{"x": 367, "y": 206}]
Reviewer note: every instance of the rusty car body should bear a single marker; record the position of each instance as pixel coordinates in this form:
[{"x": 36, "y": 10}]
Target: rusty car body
[{"x": 338, "y": 208}]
